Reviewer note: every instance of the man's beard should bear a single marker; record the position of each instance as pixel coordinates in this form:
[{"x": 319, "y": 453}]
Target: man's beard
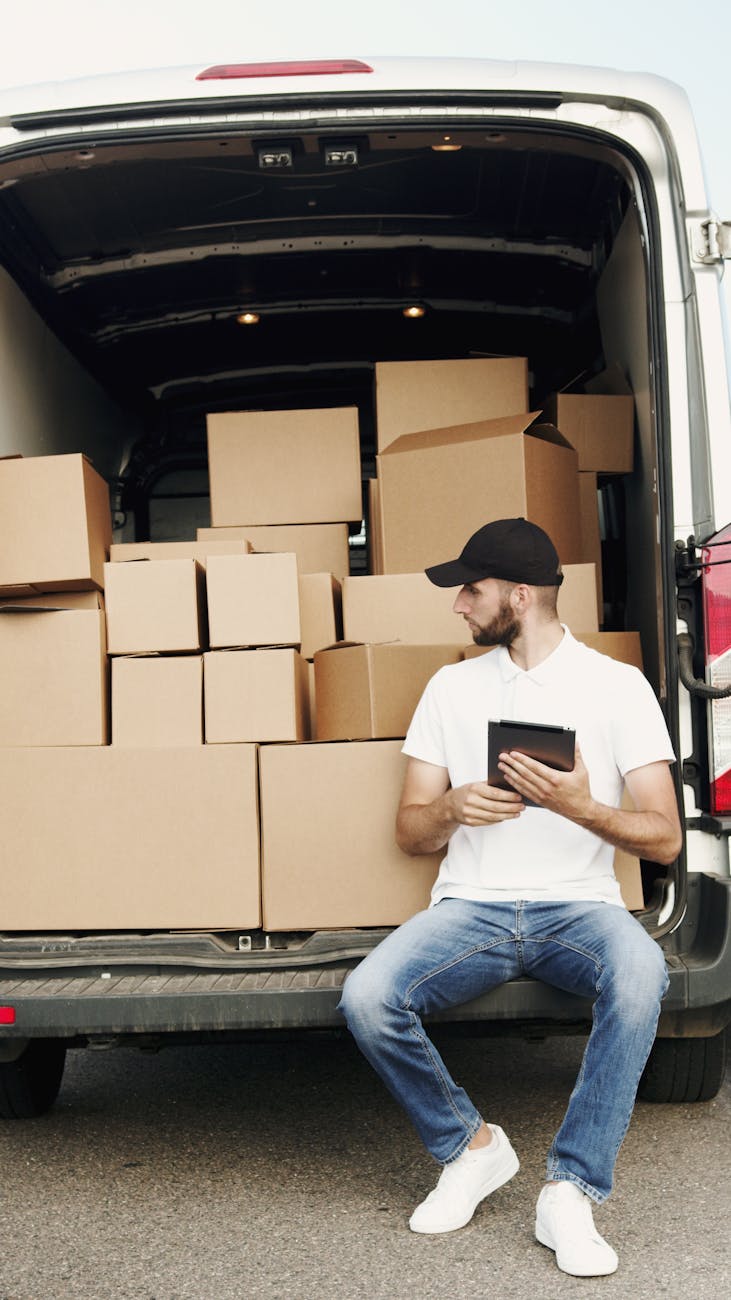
[{"x": 503, "y": 629}]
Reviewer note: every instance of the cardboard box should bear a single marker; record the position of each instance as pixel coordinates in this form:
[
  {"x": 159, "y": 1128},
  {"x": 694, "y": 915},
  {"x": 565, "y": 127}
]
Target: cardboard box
[
  {"x": 155, "y": 605},
  {"x": 255, "y": 695},
  {"x": 407, "y": 607},
  {"x": 401, "y": 607},
  {"x": 321, "y": 612},
  {"x": 375, "y": 528},
  {"x": 140, "y": 839},
  {"x": 599, "y": 426},
  {"x": 414, "y": 395},
  {"x": 320, "y": 548},
  {"x": 329, "y": 857},
  {"x": 311, "y": 700},
  {"x": 55, "y": 524},
  {"x": 53, "y": 671},
  {"x": 370, "y": 691},
  {"x": 253, "y": 600},
  {"x": 577, "y": 602},
  {"x": 284, "y": 467},
  {"x": 122, "y": 551},
  {"x": 624, "y": 646},
  {"x": 591, "y": 543},
  {"x": 439, "y": 486},
  {"x": 157, "y": 700}
]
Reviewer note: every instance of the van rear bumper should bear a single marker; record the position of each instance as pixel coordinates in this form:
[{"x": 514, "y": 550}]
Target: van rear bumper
[{"x": 282, "y": 994}]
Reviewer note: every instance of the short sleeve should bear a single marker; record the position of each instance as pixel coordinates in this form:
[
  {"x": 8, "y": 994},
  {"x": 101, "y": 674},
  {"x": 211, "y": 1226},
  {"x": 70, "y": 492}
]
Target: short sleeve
[
  {"x": 639, "y": 732},
  {"x": 425, "y": 736}
]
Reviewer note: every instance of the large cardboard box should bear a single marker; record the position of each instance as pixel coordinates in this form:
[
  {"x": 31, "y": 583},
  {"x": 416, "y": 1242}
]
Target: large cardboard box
[
  {"x": 577, "y": 602},
  {"x": 284, "y": 467},
  {"x": 321, "y": 612},
  {"x": 414, "y": 395},
  {"x": 599, "y": 425},
  {"x": 253, "y": 600},
  {"x": 329, "y": 856},
  {"x": 157, "y": 700},
  {"x": 122, "y": 551},
  {"x": 408, "y": 607},
  {"x": 255, "y": 695},
  {"x": 624, "y": 646},
  {"x": 401, "y": 607},
  {"x": 320, "y": 548},
  {"x": 370, "y": 691},
  {"x": 375, "y": 528},
  {"x": 438, "y": 487},
  {"x": 141, "y": 839},
  {"x": 53, "y": 671},
  {"x": 55, "y": 524},
  {"x": 155, "y": 606}
]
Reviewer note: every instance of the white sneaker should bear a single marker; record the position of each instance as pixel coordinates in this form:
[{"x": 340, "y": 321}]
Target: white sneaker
[
  {"x": 463, "y": 1183},
  {"x": 565, "y": 1224}
]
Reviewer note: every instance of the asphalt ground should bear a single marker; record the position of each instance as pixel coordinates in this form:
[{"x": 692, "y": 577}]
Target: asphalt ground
[{"x": 283, "y": 1169}]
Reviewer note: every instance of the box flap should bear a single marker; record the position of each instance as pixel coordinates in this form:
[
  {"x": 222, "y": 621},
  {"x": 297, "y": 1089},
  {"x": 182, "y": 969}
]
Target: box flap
[
  {"x": 53, "y": 601},
  {"x": 610, "y": 382},
  {"x": 475, "y": 432}
]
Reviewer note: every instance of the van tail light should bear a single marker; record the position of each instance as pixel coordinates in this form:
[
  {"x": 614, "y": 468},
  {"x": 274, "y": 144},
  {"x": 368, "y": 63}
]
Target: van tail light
[
  {"x": 716, "y": 583},
  {"x": 7, "y": 1015},
  {"x": 308, "y": 68}
]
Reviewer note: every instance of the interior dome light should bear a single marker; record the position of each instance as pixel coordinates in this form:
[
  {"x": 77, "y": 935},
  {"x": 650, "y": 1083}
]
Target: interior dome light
[
  {"x": 447, "y": 145},
  {"x": 414, "y": 312},
  {"x": 248, "y": 318}
]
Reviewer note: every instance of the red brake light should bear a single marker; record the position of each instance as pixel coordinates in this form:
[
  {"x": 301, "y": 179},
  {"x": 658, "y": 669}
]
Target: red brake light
[
  {"x": 308, "y": 68},
  {"x": 716, "y": 582},
  {"x": 7, "y": 1015}
]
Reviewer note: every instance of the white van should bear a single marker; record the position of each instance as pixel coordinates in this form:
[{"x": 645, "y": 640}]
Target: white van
[{"x": 255, "y": 236}]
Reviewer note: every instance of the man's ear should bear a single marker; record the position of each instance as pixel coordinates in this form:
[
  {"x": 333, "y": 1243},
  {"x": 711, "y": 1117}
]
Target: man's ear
[{"x": 520, "y": 597}]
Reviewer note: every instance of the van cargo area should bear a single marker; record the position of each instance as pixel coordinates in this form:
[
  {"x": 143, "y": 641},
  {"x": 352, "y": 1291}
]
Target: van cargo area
[{"x": 162, "y": 270}]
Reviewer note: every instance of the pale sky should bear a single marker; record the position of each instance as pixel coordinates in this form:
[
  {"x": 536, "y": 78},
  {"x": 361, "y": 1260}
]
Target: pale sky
[{"x": 55, "y": 39}]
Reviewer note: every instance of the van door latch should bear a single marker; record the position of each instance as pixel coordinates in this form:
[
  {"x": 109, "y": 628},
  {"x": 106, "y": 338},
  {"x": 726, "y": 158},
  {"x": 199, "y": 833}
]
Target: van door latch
[{"x": 710, "y": 240}]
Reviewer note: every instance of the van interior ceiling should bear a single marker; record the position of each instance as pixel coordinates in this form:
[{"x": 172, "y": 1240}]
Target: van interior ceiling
[{"x": 225, "y": 271}]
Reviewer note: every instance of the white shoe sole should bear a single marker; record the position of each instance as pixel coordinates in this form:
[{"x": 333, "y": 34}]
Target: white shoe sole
[{"x": 509, "y": 1170}]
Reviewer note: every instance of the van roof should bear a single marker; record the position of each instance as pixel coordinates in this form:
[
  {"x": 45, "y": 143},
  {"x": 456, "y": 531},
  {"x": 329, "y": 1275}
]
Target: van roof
[{"x": 384, "y": 75}]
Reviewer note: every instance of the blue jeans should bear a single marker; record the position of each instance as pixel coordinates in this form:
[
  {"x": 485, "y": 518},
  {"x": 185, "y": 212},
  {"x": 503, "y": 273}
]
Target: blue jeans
[{"x": 459, "y": 949}]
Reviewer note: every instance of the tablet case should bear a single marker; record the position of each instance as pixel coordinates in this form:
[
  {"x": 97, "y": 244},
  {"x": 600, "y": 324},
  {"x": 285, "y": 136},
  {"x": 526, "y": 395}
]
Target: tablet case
[{"x": 549, "y": 744}]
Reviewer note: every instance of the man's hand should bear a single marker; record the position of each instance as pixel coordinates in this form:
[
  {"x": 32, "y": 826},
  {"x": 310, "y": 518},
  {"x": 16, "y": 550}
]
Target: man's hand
[
  {"x": 566, "y": 793},
  {"x": 650, "y": 830},
  {"x": 431, "y": 811},
  {"x": 480, "y": 804}
]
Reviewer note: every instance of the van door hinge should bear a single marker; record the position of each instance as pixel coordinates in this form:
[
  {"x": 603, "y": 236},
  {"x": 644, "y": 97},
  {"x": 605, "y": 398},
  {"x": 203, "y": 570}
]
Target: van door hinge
[{"x": 710, "y": 240}]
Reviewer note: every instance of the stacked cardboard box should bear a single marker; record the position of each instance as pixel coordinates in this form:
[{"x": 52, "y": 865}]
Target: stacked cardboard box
[
  {"x": 100, "y": 836},
  {"x": 284, "y": 467},
  {"x": 232, "y": 646},
  {"x": 55, "y": 531}
]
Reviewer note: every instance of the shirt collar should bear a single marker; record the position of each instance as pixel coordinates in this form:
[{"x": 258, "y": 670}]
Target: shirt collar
[{"x": 545, "y": 671}]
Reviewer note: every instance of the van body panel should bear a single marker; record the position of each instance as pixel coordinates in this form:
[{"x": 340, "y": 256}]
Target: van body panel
[{"x": 101, "y": 269}]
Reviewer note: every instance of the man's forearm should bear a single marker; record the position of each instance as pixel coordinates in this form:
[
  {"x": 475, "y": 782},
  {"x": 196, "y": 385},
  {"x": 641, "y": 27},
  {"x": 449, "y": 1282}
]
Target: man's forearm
[
  {"x": 646, "y": 834},
  {"x": 426, "y": 828}
]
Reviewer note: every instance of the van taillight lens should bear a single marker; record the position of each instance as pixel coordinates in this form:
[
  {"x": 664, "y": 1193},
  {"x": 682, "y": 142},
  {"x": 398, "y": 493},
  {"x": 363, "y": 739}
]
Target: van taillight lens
[
  {"x": 716, "y": 580},
  {"x": 309, "y": 68},
  {"x": 7, "y": 1015}
]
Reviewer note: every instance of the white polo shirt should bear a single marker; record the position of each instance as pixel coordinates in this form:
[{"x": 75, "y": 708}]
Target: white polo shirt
[{"x": 538, "y": 855}]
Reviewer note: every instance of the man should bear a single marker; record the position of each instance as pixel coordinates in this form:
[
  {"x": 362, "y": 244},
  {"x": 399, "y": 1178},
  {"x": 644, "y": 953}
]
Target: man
[{"x": 526, "y": 887}]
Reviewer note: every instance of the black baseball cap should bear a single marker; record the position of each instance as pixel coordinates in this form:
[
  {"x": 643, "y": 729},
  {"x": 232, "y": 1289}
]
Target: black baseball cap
[{"x": 512, "y": 549}]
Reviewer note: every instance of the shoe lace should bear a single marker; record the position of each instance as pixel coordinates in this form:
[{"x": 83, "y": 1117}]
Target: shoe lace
[{"x": 575, "y": 1213}]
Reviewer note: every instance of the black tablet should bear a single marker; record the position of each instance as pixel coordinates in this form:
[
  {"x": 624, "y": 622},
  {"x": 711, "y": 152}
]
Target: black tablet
[{"x": 551, "y": 745}]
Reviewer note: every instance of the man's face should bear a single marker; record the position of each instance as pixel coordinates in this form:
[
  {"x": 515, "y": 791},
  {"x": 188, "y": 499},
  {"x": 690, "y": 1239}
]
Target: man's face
[{"x": 485, "y": 607}]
